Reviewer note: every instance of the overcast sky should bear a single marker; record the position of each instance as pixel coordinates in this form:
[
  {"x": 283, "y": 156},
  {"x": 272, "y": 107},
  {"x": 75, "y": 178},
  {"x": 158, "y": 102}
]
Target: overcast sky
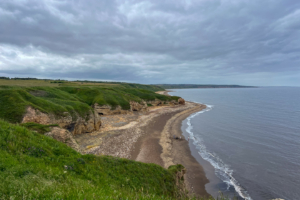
[{"x": 247, "y": 42}]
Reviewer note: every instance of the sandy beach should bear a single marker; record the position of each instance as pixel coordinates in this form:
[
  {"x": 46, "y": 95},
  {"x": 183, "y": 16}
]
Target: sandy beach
[{"x": 149, "y": 137}]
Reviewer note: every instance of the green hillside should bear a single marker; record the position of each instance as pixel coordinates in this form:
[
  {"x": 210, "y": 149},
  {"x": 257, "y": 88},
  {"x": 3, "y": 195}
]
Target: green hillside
[
  {"x": 76, "y": 100},
  {"x": 34, "y": 166}
]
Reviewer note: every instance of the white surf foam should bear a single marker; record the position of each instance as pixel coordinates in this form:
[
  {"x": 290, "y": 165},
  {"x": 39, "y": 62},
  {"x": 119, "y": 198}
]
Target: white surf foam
[{"x": 222, "y": 170}]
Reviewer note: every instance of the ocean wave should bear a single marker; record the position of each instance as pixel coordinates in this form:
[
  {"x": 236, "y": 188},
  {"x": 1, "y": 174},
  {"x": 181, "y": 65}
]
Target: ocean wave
[{"x": 222, "y": 170}]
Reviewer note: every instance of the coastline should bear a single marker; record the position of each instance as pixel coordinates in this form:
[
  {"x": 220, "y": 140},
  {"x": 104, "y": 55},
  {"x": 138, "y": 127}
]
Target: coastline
[
  {"x": 148, "y": 137},
  {"x": 179, "y": 152}
]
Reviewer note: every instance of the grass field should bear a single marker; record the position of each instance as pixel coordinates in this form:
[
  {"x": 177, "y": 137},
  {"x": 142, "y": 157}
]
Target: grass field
[
  {"x": 27, "y": 83},
  {"x": 57, "y": 83}
]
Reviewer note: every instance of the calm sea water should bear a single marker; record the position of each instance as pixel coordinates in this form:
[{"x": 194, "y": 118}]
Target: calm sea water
[{"x": 251, "y": 137}]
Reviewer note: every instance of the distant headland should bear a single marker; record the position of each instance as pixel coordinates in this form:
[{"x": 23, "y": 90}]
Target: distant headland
[{"x": 181, "y": 86}]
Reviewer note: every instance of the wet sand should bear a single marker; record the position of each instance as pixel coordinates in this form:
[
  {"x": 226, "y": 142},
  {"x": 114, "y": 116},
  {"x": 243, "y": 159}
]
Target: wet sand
[{"x": 158, "y": 146}]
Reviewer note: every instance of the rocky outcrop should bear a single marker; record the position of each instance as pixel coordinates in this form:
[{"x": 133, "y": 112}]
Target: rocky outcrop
[
  {"x": 76, "y": 126},
  {"x": 92, "y": 121},
  {"x": 157, "y": 102},
  {"x": 107, "y": 109},
  {"x": 181, "y": 101},
  {"x": 64, "y": 136},
  {"x": 135, "y": 106}
]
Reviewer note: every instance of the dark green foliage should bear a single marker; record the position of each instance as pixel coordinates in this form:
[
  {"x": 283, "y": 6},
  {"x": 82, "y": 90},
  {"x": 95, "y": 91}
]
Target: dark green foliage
[
  {"x": 153, "y": 88},
  {"x": 35, "y": 152},
  {"x": 16, "y": 78},
  {"x": 175, "y": 168},
  {"x": 40, "y": 128}
]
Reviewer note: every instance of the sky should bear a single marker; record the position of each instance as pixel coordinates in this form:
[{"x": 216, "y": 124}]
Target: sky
[{"x": 246, "y": 42}]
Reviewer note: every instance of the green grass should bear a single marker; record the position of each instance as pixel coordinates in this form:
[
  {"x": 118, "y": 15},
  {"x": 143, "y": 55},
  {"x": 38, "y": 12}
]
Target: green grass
[
  {"x": 56, "y": 83},
  {"x": 39, "y": 128},
  {"x": 75, "y": 100},
  {"x": 34, "y": 166}
]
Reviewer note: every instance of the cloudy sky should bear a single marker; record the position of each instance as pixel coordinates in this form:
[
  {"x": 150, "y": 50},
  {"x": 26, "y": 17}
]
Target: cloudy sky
[{"x": 248, "y": 42}]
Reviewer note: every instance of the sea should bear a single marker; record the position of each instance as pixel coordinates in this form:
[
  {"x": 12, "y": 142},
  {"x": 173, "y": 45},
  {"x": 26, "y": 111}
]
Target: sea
[{"x": 247, "y": 140}]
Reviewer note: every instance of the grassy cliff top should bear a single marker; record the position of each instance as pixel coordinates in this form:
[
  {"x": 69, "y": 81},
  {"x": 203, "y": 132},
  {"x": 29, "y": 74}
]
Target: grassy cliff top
[
  {"x": 63, "y": 83},
  {"x": 74, "y": 98}
]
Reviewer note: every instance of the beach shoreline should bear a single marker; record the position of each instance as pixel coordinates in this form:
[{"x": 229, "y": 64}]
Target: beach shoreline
[{"x": 149, "y": 137}]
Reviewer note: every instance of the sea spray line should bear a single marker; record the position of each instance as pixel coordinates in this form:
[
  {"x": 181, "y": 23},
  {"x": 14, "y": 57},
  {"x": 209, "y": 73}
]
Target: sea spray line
[{"x": 221, "y": 169}]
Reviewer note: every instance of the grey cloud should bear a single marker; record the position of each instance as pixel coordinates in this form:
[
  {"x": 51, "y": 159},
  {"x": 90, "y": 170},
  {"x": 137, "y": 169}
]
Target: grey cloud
[{"x": 151, "y": 41}]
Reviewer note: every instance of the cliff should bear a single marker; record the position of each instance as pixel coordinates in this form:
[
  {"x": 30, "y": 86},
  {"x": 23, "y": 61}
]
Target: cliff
[{"x": 77, "y": 110}]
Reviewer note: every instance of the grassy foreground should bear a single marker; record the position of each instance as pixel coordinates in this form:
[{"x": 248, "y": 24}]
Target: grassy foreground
[{"x": 34, "y": 166}]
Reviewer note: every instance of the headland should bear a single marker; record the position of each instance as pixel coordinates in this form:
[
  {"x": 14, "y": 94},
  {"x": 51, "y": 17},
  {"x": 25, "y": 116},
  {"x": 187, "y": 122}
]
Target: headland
[{"x": 112, "y": 139}]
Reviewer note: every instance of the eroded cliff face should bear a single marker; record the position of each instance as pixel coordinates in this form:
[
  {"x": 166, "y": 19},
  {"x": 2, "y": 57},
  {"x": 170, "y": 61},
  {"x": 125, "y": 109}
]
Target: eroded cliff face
[
  {"x": 107, "y": 109},
  {"x": 78, "y": 126},
  {"x": 64, "y": 136},
  {"x": 181, "y": 101},
  {"x": 70, "y": 126},
  {"x": 157, "y": 102}
]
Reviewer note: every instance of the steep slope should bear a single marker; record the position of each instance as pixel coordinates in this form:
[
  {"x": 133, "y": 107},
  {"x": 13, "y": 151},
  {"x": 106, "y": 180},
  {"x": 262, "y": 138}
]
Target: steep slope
[{"x": 34, "y": 166}]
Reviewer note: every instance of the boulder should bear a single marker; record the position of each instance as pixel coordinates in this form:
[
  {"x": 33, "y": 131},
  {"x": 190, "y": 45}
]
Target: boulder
[
  {"x": 135, "y": 106},
  {"x": 107, "y": 110},
  {"x": 156, "y": 102},
  {"x": 181, "y": 101},
  {"x": 64, "y": 136}
]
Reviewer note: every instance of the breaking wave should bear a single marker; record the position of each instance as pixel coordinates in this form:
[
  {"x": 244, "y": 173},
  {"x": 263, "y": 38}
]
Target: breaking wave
[{"x": 221, "y": 169}]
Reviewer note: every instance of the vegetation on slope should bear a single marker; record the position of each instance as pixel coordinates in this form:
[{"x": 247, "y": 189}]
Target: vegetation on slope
[
  {"x": 75, "y": 100},
  {"x": 39, "y": 128},
  {"x": 34, "y": 166}
]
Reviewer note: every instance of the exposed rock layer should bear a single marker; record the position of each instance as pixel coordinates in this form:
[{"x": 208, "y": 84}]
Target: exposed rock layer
[
  {"x": 107, "y": 109},
  {"x": 75, "y": 126},
  {"x": 64, "y": 136},
  {"x": 181, "y": 101}
]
